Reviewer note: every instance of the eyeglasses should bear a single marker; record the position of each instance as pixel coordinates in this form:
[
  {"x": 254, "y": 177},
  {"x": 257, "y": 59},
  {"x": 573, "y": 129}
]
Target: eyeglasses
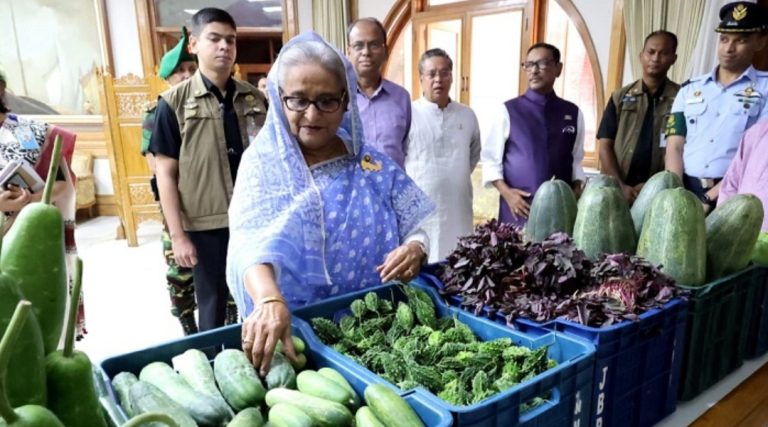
[
  {"x": 326, "y": 104},
  {"x": 372, "y": 46},
  {"x": 432, "y": 75},
  {"x": 541, "y": 64}
]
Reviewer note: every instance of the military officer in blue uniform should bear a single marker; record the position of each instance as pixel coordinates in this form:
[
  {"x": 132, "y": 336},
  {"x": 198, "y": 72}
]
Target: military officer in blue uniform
[{"x": 711, "y": 112}]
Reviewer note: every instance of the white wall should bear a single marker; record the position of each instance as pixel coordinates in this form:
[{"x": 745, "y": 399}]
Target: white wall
[
  {"x": 124, "y": 34},
  {"x": 598, "y": 15},
  {"x": 374, "y": 8}
]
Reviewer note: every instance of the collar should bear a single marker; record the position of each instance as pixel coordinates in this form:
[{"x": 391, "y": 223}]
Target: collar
[
  {"x": 383, "y": 87},
  {"x": 538, "y": 98},
  {"x": 640, "y": 87},
  {"x": 432, "y": 106},
  {"x": 750, "y": 74}
]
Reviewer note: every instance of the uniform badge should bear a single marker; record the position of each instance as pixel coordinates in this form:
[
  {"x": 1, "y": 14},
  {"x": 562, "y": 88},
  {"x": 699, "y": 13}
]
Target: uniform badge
[
  {"x": 697, "y": 93},
  {"x": 569, "y": 130},
  {"x": 249, "y": 98},
  {"x": 739, "y": 12},
  {"x": 190, "y": 104},
  {"x": 629, "y": 98},
  {"x": 568, "y": 117},
  {"x": 369, "y": 165}
]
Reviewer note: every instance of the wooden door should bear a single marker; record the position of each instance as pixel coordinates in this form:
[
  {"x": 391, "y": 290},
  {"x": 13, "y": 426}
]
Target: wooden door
[{"x": 125, "y": 100}]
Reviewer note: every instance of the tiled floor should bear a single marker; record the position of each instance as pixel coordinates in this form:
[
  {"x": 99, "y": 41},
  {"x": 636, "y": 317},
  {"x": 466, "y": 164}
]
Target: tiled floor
[{"x": 126, "y": 302}]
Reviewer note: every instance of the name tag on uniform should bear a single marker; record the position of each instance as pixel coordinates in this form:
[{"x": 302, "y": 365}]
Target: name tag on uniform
[
  {"x": 694, "y": 100},
  {"x": 663, "y": 140},
  {"x": 628, "y": 98}
]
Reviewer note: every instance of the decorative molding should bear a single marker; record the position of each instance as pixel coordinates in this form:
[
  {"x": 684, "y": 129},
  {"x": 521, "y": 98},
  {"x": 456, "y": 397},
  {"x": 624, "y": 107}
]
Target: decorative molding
[
  {"x": 129, "y": 79},
  {"x": 132, "y": 105},
  {"x": 141, "y": 194},
  {"x": 141, "y": 217}
]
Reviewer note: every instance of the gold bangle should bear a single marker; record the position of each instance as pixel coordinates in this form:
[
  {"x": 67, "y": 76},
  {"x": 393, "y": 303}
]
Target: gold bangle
[{"x": 268, "y": 300}]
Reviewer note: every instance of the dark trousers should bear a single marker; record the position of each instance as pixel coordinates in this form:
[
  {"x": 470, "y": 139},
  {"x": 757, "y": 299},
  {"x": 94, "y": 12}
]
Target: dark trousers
[
  {"x": 693, "y": 185},
  {"x": 210, "y": 276}
]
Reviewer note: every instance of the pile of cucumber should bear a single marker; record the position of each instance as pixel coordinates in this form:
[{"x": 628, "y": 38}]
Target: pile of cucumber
[{"x": 231, "y": 394}]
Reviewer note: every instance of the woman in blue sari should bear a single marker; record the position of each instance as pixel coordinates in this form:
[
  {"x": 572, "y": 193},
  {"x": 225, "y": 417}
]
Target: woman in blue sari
[{"x": 315, "y": 212}]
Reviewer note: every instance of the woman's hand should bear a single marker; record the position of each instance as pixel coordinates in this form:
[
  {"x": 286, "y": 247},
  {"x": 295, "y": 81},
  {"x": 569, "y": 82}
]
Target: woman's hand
[
  {"x": 262, "y": 329},
  {"x": 13, "y": 199},
  {"x": 403, "y": 263},
  {"x": 269, "y": 322}
]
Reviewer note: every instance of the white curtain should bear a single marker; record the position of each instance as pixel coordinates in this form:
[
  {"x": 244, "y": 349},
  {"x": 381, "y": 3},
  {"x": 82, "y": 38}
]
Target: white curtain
[
  {"x": 704, "y": 56},
  {"x": 330, "y": 19},
  {"x": 682, "y": 17}
]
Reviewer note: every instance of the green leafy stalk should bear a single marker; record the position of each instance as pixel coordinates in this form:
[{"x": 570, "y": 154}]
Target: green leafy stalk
[
  {"x": 69, "y": 339},
  {"x": 9, "y": 338},
  {"x": 52, "y": 169}
]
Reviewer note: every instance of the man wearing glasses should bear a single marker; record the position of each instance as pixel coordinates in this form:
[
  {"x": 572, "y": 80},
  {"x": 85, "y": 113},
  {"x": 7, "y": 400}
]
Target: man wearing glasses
[
  {"x": 201, "y": 128},
  {"x": 443, "y": 150},
  {"x": 385, "y": 107},
  {"x": 534, "y": 137}
]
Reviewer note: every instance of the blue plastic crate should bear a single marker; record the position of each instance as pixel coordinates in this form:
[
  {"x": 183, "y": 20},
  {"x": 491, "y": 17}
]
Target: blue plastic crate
[
  {"x": 637, "y": 364},
  {"x": 568, "y": 384},
  {"x": 757, "y": 344},
  {"x": 212, "y": 342}
]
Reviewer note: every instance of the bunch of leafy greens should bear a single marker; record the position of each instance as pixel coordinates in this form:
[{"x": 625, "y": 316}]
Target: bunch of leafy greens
[
  {"x": 407, "y": 344},
  {"x": 493, "y": 269}
]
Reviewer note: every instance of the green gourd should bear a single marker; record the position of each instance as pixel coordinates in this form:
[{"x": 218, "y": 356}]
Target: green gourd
[
  {"x": 38, "y": 234},
  {"x": 553, "y": 210},
  {"x": 25, "y": 382},
  {"x": 663, "y": 180},
  {"x": 150, "y": 417},
  {"x": 732, "y": 231},
  {"x": 760, "y": 252},
  {"x": 674, "y": 236},
  {"x": 27, "y": 415},
  {"x": 603, "y": 223},
  {"x": 71, "y": 392}
]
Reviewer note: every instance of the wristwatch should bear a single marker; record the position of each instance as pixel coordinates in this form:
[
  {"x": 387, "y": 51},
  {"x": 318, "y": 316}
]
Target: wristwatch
[{"x": 708, "y": 201}]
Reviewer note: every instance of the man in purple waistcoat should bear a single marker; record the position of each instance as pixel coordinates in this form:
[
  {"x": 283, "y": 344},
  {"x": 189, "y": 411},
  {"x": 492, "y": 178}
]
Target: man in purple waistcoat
[
  {"x": 536, "y": 136},
  {"x": 385, "y": 107}
]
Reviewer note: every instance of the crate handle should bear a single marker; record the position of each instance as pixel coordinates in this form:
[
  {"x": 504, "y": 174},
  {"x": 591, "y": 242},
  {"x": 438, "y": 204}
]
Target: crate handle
[{"x": 549, "y": 405}]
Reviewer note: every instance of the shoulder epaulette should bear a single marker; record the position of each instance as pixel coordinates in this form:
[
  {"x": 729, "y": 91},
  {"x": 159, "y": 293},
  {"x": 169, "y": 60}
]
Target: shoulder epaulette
[{"x": 685, "y": 83}]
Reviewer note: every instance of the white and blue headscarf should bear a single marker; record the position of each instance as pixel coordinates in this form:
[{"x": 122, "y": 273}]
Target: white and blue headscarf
[{"x": 320, "y": 242}]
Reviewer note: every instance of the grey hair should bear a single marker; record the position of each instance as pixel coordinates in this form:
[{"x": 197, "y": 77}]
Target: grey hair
[
  {"x": 311, "y": 52},
  {"x": 433, "y": 53}
]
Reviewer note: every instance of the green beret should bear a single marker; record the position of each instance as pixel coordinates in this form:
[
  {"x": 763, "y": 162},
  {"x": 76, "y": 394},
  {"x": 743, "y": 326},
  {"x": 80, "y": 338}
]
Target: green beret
[
  {"x": 175, "y": 56},
  {"x": 742, "y": 17}
]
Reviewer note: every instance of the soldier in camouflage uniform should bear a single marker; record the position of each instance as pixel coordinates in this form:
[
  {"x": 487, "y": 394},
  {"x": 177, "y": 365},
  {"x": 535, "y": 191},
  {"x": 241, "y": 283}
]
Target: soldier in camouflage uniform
[{"x": 176, "y": 66}]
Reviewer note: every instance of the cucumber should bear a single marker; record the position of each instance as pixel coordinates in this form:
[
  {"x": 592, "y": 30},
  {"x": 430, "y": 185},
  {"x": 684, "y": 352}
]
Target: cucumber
[
  {"x": 151, "y": 419},
  {"x": 194, "y": 366},
  {"x": 300, "y": 363},
  {"x": 298, "y": 345},
  {"x": 323, "y": 412},
  {"x": 237, "y": 378},
  {"x": 391, "y": 409},
  {"x": 122, "y": 383},
  {"x": 248, "y": 417},
  {"x": 281, "y": 373},
  {"x": 287, "y": 415},
  {"x": 336, "y": 376},
  {"x": 145, "y": 398},
  {"x": 203, "y": 408},
  {"x": 314, "y": 384},
  {"x": 365, "y": 418}
]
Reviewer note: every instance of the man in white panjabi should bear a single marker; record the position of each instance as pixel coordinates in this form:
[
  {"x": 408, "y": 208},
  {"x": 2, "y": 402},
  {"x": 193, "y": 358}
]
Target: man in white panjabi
[{"x": 443, "y": 148}]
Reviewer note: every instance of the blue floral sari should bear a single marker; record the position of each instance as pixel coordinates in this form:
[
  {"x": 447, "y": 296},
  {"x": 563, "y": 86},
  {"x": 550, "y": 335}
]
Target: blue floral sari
[{"x": 323, "y": 228}]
